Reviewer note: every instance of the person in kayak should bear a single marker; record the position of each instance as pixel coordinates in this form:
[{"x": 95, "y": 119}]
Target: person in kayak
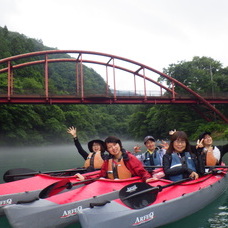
[
  {"x": 211, "y": 155},
  {"x": 179, "y": 162},
  {"x": 93, "y": 160},
  {"x": 153, "y": 155},
  {"x": 121, "y": 164}
]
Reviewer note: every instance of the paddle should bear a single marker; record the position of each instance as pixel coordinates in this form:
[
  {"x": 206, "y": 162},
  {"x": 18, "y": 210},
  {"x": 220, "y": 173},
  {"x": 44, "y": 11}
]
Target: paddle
[
  {"x": 215, "y": 166},
  {"x": 59, "y": 186},
  {"x": 22, "y": 173},
  {"x": 153, "y": 166},
  {"x": 133, "y": 195}
]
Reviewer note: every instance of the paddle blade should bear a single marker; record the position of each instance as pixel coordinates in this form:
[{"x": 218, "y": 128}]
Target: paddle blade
[
  {"x": 17, "y": 174},
  {"x": 55, "y": 188},
  {"x": 138, "y": 195},
  {"x": 59, "y": 186}
]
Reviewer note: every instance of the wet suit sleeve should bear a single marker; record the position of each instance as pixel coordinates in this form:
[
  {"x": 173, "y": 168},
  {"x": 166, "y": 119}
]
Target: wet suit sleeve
[
  {"x": 193, "y": 149},
  {"x": 200, "y": 157},
  {"x": 81, "y": 151}
]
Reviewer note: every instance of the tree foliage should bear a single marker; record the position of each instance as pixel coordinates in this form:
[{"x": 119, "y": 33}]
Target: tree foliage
[
  {"x": 204, "y": 76},
  {"x": 35, "y": 124},
  {"x": 43, "y": 124}
]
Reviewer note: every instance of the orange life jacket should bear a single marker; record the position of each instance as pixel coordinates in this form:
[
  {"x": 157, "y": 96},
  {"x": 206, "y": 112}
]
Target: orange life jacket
[
  {"x": 210, "y": 159},
  {"x": 95, "y": 160},
  {"x": 118, "y": 170}
]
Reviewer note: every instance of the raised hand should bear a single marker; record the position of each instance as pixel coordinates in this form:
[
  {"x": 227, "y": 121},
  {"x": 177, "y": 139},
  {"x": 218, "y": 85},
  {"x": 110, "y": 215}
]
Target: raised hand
[
  {"x": 171, "y": 132},
  {"x": 199, "y": 144},
  {"x": 72, "y": 131},
  {"x": 164, "y": 145},
  {"x": 137, "y": 149}
]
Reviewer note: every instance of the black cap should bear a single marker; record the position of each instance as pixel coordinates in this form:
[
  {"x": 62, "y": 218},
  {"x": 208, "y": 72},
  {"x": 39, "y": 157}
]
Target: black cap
[
  {"x": 203, "y": 134},
  {"x": 148, "y": 138},
  {"x": 90, "y": 144}
]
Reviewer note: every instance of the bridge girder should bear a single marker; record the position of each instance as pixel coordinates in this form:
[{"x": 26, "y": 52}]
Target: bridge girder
[{"x": 138, "y": 68}]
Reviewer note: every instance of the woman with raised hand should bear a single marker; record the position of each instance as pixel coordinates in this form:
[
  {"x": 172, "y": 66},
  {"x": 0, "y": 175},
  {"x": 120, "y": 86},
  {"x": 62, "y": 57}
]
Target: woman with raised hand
[
  {"x": 121, "y": 164},
  {"x": 212, "y": 155},
  {"x": 93, "y": 160}
]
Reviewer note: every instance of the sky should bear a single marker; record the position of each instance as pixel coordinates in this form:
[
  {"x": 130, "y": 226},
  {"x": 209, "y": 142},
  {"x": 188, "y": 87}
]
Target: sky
[{"x": 156, "y": 33}]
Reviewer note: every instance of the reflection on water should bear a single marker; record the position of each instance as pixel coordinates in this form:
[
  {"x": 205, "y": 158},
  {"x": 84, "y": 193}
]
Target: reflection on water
[
  {"x": 213, "y": 216},
  {"x": 220, "y": 218},
  {"x": 46, "y": 158}
]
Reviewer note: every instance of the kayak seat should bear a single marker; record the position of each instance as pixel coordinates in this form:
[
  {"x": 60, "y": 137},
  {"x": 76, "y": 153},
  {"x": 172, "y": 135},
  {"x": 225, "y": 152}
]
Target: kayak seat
[{"x": 92, "y": 205}]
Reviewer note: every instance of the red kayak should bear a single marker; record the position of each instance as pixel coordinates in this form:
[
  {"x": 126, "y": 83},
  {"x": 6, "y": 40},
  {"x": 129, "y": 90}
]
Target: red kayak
[
  {"x": 62, "y": 209},
  {"x": 28, "y": 189},
  {"x": 156, "y": 204}
]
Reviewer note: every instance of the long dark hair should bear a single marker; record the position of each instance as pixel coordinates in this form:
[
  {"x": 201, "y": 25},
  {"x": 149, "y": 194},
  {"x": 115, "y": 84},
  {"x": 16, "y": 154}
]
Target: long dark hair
[{"x": 178, "y": 135}]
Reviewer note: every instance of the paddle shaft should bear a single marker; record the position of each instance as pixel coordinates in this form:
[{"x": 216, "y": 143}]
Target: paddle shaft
[
  {"x": 46, "y": 172},
  {"x": 159, "y": 188},
  {"x": 153, "y": 166},
  {"x": 215, "y": 166},
  {"x": 78, "y": 170},
  {"x": 82, "y": 182}
]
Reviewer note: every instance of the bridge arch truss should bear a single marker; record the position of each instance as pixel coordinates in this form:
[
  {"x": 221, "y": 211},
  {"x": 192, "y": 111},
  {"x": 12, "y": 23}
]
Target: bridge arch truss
[{"x": 112, "y": 64}]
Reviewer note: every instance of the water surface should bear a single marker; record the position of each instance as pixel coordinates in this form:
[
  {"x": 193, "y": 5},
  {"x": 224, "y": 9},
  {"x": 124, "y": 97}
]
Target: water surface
[{"x": 46, "y": 158}]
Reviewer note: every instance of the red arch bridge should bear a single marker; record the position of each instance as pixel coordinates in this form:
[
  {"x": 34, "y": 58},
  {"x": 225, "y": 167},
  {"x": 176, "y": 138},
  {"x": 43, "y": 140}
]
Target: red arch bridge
[{"x": 139, "y": 82}]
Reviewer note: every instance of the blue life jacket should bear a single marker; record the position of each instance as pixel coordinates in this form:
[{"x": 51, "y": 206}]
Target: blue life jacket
[
  {"x": 152, "y": 159},
  {"x": 177, "y": 161}
]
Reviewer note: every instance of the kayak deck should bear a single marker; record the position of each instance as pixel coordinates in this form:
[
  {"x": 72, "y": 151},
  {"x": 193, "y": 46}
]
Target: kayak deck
[
  {"x": 171, "y": 204},
  {"x": 62, "y": 209},
  {"x": 99, "y": 187},
  {"x": 28, "y": 189},
  {"x": 39, "y": 181}
]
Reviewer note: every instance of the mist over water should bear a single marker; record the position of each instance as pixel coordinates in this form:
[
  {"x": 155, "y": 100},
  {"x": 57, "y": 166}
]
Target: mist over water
[
  {"x": 46, "y": 158},
  {"x": 59, "y": 157}
]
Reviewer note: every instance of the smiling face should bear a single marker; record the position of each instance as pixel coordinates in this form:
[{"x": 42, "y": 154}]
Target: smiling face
[
  {"x": 96, "y": 147},
  {"x": 114, "y": 149},
  {"x": 179, "y": 145},
  {"x": 150, "y": 145},
  {"x": 207, "y": 140}
]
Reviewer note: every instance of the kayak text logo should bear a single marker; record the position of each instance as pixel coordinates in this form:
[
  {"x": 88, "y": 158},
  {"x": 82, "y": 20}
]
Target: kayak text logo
[
  {"x": 131, "y": 189},
  {"x": 145, "y": 218},
  {"x": 5, "y": 202},
  {"x": 71, "y": 212}
]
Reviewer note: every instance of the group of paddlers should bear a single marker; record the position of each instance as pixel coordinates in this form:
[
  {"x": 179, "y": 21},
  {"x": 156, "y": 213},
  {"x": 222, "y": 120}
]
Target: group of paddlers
[{"x": 177, "y": 158}]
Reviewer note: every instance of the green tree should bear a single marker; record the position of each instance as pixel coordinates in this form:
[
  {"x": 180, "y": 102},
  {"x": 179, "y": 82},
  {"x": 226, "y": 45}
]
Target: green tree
[
  {"x": 35, "y": 124},
  {"x": 204, "y": 76}
]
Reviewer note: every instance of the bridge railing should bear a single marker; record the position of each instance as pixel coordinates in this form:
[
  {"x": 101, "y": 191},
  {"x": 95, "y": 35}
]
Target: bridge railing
[
  {"x": 12, "y": 89},
  {"x": 40, "y": 92}
]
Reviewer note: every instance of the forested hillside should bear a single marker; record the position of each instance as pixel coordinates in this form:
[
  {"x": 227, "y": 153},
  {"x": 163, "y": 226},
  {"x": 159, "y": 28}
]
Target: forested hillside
[
  {"x": 42, "y": 124},
  {"x": 47, "y": 124}
]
